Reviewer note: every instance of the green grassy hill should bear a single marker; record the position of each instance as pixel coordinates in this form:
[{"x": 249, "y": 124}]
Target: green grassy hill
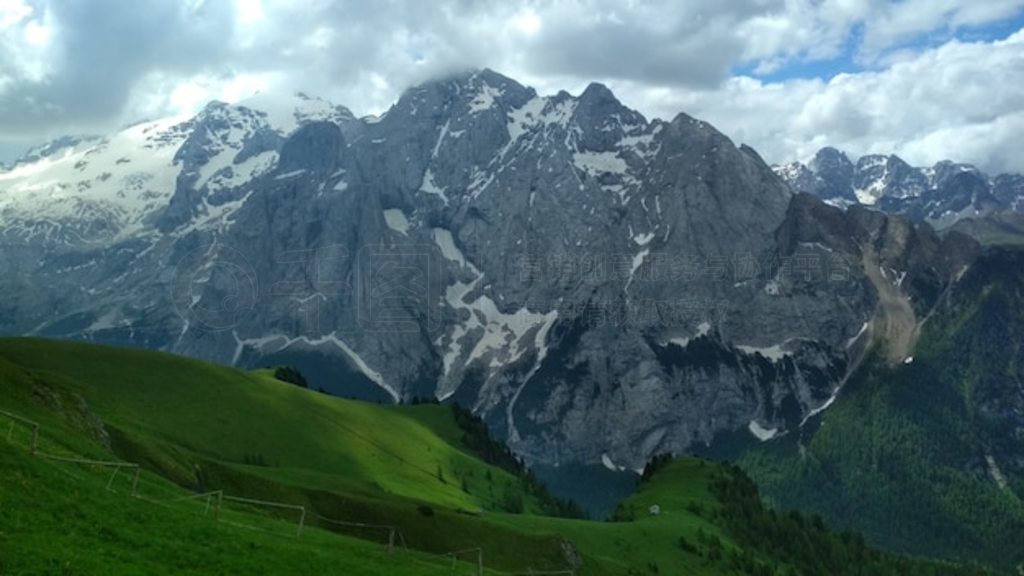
[
  {"x": 194, "y": 426},
  {"x": 171, "y": 414}
]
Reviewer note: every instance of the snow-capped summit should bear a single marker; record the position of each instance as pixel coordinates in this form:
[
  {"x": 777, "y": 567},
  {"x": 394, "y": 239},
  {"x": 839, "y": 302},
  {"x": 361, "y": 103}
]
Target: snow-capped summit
[
  {"x": 92, "y": 190},
  {"x": 101, "y": 190},
  {"x": 285, "y": 114}
]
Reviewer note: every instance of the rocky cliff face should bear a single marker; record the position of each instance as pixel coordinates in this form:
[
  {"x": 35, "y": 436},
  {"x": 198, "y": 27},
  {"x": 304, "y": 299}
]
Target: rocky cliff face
[{"x": 598, "y": 286}]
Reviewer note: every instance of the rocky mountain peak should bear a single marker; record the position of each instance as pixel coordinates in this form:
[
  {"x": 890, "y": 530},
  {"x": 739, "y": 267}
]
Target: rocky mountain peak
[
  {"x": 598, "y": 94},
  {"x": 831, "y": 159},
  {"x": 946, "y": 169},
  {"x": 474, "y": 91},
  {"x": 834, "y": 174}
]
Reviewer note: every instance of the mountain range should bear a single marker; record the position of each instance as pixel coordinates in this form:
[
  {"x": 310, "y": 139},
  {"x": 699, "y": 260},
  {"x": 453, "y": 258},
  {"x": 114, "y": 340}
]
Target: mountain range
[
  {"x": 520, "y": 254},
  {"x": 941, "y": 195},
  {"x": 599, "y": 287}
]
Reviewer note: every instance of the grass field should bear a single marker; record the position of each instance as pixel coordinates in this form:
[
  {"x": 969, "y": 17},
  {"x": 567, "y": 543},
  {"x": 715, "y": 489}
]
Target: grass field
[{"x": 252, "y": 435}]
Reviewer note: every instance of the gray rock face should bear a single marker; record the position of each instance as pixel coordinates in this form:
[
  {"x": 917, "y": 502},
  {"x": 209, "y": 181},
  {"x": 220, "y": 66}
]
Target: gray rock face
[
  {"x": 598, "y": 286},
  {"x": 1009, "y": 190}
]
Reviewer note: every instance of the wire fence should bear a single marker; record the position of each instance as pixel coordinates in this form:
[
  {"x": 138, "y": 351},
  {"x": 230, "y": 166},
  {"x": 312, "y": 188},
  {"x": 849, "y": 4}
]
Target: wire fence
[
  {"x": 33, "y": 427},
  {"x": 276, "y": 505},
  {"x": 214, "y": 502},
  {"x": 116, "y": 466},
  {"x": 392, "y": 531}
]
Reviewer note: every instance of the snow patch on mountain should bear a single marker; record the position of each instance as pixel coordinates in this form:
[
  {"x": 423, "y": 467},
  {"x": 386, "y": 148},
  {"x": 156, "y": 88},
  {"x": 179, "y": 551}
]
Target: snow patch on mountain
[
  {"x": 597, "y": 163},
  {"x": 484, "y": 99},
  {"x": 290, "y": 175},
  {"x": 245, "y": 171},
  {"x": 789, "y": 172},
  {"x": 444, "y": 240},
  {"x": 638, "y": 262},
  {"x": 703, "y": 329},
  {"x": 869, "y": 196},
  {"x": 213, "y": 217},
  {"x": 396, "y": 220},
  {"x": 487, "y": 333},
  {"x": 643, "y": 142},
  {"x": 774, "y": 353},
  {"x": 277, "y": 342},
  {"x": 643, "y": 239},
  {"x": 286, "y": 113},
  {"x": 761, "y": 433},
  {"x": 538, "y": 113},
  {"x": 523, "y": 119},
  {"x": 853, "y": 340},
  {"x": 429, "y": 186}
]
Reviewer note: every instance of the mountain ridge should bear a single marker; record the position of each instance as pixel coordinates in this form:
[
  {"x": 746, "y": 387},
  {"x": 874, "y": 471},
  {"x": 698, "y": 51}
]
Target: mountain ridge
[{"x": 941, "y": 194}]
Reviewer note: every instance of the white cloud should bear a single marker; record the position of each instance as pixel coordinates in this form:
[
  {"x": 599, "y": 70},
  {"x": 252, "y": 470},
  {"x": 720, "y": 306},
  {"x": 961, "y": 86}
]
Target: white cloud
[
  {"x": 160, "y": 94},
  {"x": 249, "y": 11},
  {"x": 661, "y": 56},
  {"x": 12, "y": 12},
  {"x": 527, "y": 22},
  {"x": 901, "y": 22},
  {"x": 938, "y": 104}
]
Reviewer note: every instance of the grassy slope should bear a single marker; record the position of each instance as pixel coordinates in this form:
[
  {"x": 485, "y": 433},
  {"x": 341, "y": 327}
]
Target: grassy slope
[
  {"x": 217, "y": 413},
  {"x": 342, "y": 459},
  {"x": 55, "y": 523},
  {"x": 60, "y": 518},
  {"x": 346, "y": 460}
]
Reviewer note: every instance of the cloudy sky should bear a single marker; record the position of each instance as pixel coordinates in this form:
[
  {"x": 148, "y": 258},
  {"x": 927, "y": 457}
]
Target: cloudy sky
[{"x": 928, "y": 79}]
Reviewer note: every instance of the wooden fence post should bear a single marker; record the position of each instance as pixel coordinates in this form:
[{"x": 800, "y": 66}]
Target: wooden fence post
[
  {"x": 135, "y": 481},
  {"x": 110, "y": 483},
  {"x": 302, "y": 522},
  {"x": 35, "y": 440}
]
